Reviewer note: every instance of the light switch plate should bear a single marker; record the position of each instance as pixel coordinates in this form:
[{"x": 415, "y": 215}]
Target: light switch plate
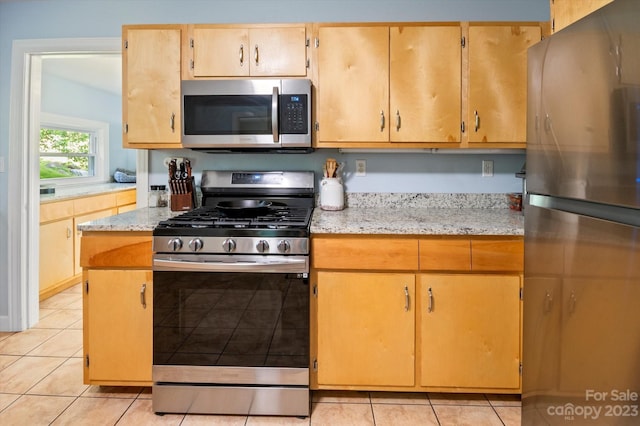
[
  {"x": 487, "y": 168},
  {"x": 1, "y": 164}
]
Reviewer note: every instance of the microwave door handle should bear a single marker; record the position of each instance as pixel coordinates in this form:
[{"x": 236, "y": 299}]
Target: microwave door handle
[{"x": 274, "y": 115}]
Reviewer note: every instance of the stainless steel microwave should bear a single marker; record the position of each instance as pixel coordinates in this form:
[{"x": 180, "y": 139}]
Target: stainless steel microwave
[{"x": 247, "y": 115}]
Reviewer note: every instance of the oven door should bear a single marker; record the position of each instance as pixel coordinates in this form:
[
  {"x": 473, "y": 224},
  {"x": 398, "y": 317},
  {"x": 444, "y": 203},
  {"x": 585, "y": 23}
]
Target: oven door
[{"x": 231, "y": 319}]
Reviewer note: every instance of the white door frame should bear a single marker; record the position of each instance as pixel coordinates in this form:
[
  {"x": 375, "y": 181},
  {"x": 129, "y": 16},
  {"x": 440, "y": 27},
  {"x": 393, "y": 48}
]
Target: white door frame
[{"x": 23, "y": 181}]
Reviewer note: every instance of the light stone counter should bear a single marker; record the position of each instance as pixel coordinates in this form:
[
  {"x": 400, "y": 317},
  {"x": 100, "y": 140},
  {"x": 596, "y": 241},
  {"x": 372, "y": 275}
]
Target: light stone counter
[
  {"x": 68, "y": 192},
  {"x": 401, "y": 214},
  {"x": 143, "y": 219},
  {"x": 421, "y": 214}
]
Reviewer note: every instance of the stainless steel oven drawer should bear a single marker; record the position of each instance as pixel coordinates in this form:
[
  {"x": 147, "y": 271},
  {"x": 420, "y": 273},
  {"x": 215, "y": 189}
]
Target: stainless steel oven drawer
[{"x": 281, "y": 401}]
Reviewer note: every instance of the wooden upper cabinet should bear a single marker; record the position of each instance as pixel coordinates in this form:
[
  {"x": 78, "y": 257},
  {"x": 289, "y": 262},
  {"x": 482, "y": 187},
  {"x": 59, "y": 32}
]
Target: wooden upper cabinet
[
  {"x": 497, "y": 82},
  {"x": 425, "y": 83},
  {"x": 565, "y": 12},
  {"x": 353, "y": 84},
  {"x": 243, "y": 52},
  {"x": 151, "y": 59}
]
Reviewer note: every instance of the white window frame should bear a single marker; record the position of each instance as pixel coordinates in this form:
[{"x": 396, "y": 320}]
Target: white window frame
[{"x": 101, "y": 131}]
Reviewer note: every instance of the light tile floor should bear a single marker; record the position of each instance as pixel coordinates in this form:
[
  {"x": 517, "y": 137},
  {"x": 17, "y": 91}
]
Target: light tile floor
[{"x": 41, "y": 384}]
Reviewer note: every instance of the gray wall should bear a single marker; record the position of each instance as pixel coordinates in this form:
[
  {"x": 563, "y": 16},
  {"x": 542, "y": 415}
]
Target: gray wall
[{"x": 37, "y": 19}]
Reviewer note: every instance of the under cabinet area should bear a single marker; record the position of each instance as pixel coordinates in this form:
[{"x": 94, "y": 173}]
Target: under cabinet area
[
  {"x": 117, "y": 308},
  {"x": 439, "y": 313}
]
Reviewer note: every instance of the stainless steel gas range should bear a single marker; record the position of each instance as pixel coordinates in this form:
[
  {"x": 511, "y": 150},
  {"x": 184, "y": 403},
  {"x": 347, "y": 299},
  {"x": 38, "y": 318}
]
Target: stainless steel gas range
[{"x": 231, "y": 298}]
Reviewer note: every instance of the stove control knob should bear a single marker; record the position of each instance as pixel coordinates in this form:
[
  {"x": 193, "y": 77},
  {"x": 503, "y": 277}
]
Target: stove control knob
[
  {"x": 196, "y": 244},
  {"x": 262, "y": 246},
  {"x": 284, "y": 246},
  {"x": 229, "y": 245},
  {"x": 175, "y": 244}
]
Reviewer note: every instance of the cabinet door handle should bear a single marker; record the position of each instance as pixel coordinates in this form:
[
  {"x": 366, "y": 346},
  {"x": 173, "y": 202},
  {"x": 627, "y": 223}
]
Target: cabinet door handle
[
  {"x": 381, "y": 120},
  {"x": 398, "y": 120},
  {"x": 241, "y": 54},
  {"x": 548, "y": 301},
  {"x": 68, "y": 232},
  {"x": 406, "y": 298},
  {"x": 143, "y": 296},
  {"x": 172, "y": 122},
  {"x": 255, "y": 54},
  {"x": 477, "y": 117},
  {"x": 572, "y": 302},
  {"x": 430, "y": 306}
]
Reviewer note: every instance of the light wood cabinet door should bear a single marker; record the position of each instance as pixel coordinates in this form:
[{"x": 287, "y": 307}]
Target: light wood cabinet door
[
  {"x": 470, "y": 331},
  {"x": 425, "y": 83},
  {"x": 221, "y": 52},
  {"x": 366, "y": 329},
  {"x": 565, "y": 12},
  {"x": 497, "y": 87},
  {"x": 151, "y": 87},
  {"x": 118, "y": 326},
  {"x": 353, "y": 84},
  {"x": 56, "y": 253},
  {"x": 242, "y": 52}
]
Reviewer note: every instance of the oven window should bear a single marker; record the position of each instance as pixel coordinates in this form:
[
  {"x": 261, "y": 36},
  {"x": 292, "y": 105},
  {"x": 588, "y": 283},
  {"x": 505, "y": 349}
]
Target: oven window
[
  {"x": 230, "y": 319},
  {"x": 227, "y": 115}
]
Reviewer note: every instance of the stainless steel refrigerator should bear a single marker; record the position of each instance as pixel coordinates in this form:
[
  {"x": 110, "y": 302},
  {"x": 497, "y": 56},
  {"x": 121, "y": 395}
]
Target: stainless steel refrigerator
[{"x": 581, "y": 350}]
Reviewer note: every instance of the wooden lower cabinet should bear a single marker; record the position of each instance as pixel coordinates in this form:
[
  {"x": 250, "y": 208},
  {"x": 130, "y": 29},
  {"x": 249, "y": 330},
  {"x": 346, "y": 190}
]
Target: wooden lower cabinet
[
  {"x": 469, "y": 331},
  {"x": 117, "y": 308},
  {"x": 56, "y": 257},
  {"x": 445, "y": 316},
  {"x": 119, "y": 312},
  {"x": 366, "y": 329}
]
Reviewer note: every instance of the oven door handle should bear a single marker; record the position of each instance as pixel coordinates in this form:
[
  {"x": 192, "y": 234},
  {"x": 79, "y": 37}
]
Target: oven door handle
[
  {"x": 287, "y": 264},
  {"x": 274, "y": 115}
]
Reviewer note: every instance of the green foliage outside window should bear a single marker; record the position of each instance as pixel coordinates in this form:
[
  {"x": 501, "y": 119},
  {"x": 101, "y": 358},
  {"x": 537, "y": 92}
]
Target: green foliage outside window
[{"x": 65, "y": 153}]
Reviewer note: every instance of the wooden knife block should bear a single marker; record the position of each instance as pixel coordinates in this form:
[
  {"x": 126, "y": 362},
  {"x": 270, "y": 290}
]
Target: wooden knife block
[
  {"x": 184, "y": 201},
  {"x": 181, "y": 202}
]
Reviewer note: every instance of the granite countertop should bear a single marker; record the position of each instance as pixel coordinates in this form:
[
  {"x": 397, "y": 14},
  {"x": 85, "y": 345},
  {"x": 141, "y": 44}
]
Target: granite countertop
[
  {"x": 68, "y": 192},
  {"x": 142, "y": 219},
  {"x": 418, "y": 221},
  {"x": 399, "y": 214}
]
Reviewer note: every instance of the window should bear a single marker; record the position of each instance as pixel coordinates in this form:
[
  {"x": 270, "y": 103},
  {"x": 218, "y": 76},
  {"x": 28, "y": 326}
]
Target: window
[{"x": 72, "y": 150}]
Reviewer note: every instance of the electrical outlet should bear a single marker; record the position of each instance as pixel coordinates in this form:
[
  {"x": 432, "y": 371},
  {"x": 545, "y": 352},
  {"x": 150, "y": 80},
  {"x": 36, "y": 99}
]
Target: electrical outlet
[
  {"x": 487, "y": 168},
  {"x": 361, "y": 167}
]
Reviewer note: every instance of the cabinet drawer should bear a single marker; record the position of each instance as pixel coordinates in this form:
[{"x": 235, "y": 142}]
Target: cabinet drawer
[
  {"x": 365, "y": 253},
  {"x": 125, "y": 197},
  {"x": 92, "y": 204},
  {"x": 445, "y": 255},
  {"x": 55, "y": 211},
  {"x": 116, "y": 251},
  {"x": 497, "y": 255}
]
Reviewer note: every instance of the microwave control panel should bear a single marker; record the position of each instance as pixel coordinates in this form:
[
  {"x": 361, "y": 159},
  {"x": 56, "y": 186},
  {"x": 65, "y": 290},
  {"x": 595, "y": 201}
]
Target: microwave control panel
[{"x": 294, "y": 114}]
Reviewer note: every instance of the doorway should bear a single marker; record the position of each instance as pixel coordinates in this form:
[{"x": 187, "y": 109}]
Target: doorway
[{"x": 24, "y": 179}]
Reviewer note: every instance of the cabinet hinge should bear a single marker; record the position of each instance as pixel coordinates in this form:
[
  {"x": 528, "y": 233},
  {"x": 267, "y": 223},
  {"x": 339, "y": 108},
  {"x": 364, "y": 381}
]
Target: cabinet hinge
[
  {"x": 463, "y": 42},
  {"x": 307, "y": 42},
  {"x": 191, "y": 64},
  {"x": 315, "y": 290},
  {"x": 308, "y": 63},
  {"x": 317, "y": 42},
  {"x": 520, "y": 369},
  {"x": 126, "y": 44},
  {"x": 315, "y": 365},
  {"x": 86, "y": 361},
  {"x": 521, "y": 293},
  {"x": 553, "y": 25},
  {"x": 191, "y": 43},
  {"x": 317, "y": 126},
  {"x": 86, "y": 286}
]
